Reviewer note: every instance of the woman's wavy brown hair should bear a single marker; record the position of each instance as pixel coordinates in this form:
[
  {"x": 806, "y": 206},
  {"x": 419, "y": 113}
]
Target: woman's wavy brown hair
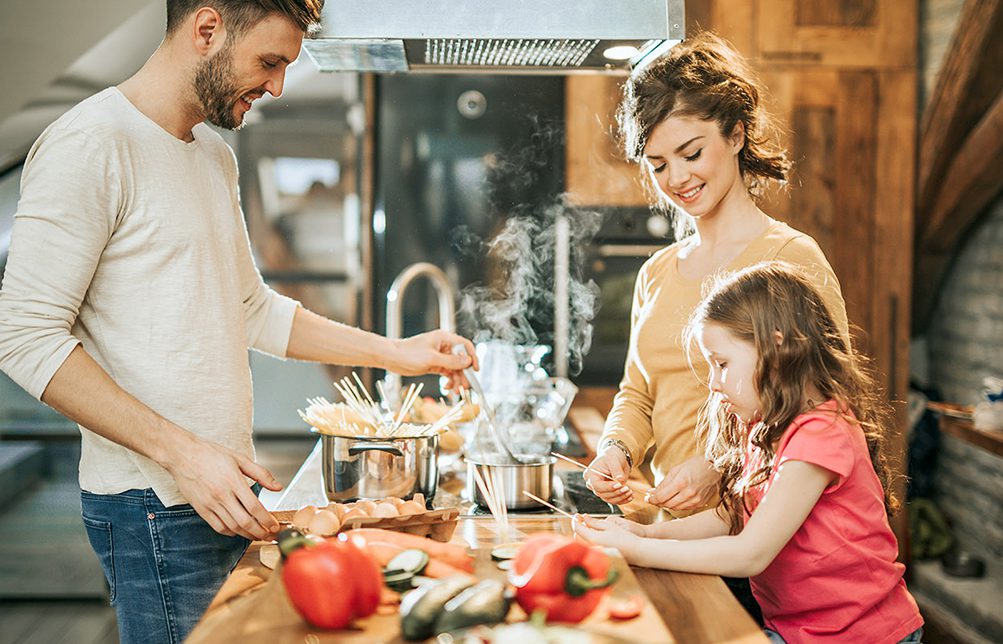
[
  {"x": 753, "y": 305},
  {"x": 705, "y": 77}
]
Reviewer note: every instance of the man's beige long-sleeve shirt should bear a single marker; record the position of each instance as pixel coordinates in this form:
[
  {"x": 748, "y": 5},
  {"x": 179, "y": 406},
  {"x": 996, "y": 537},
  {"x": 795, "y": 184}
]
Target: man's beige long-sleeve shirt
[{"x": 132, "y": 243}]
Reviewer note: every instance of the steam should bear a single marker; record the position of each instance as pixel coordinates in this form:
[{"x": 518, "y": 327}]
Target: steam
[{"x": 517, "y": 305}]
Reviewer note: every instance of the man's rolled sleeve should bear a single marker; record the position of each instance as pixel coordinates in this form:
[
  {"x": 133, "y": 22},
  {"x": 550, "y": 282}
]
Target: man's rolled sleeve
[
  {"x": 70, "y": 198},
  {"x": 271, "y": 323}
]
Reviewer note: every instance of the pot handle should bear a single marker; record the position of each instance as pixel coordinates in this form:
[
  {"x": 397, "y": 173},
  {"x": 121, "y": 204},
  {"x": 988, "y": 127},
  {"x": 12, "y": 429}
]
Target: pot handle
[{"x": 360, "y": 447}]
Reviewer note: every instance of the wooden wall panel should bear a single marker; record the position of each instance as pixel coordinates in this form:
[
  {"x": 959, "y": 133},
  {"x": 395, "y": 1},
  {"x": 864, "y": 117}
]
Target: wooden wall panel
[
  {"x": 836, "y": 13},
  {"x": 855, "y": 171},
  {"x": 596, "y": 172},
  {"x": 876, "y": 33}
]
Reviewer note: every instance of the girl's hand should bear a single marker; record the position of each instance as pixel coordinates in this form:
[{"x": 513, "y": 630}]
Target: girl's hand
[
  {"x": 633, "y": 527},
  {"x": 691, "y": 485},
  {"x": 603, "y": 533}
]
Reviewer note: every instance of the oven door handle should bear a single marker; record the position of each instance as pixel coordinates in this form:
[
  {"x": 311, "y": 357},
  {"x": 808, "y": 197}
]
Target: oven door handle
[{"x": 628, "y": 250}]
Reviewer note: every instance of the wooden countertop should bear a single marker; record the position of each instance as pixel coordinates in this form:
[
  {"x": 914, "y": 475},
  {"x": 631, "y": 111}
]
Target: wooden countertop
[{"x": 694, "y": 608}]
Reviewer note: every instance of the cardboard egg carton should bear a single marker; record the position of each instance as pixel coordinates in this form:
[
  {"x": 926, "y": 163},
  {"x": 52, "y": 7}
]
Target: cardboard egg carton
[{"x": 434, "y": 524}]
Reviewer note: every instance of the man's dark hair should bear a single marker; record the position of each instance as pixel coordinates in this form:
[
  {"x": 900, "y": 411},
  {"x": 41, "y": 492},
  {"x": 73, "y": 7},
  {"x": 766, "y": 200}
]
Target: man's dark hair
[{"x": 241, "y": 15}]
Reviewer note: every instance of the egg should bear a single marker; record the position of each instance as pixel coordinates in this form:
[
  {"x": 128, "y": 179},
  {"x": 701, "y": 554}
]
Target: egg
[
  {"x": 366, "y": 506},
  {"x": 385, "y": 510},
  {"x": 324, "y": 523},
  {"x": 354, "y": 513},
  {"x": 339, "y": 509},
  {"x": 411, "y": 507},
  {"x": 303, "y": 516},
  {"x": 394, "y": 500}
]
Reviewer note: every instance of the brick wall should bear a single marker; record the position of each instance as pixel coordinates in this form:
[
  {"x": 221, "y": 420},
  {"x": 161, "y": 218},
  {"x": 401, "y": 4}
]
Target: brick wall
[
  {"x": 965, "y": 339},
  {"x": 965, "y": 336}
]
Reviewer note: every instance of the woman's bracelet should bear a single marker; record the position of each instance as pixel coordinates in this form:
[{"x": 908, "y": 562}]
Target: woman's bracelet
[{"x": 619, "y": 444}]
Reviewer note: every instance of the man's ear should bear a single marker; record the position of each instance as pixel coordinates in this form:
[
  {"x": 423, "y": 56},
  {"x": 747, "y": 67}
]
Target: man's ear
[
  {"x": 208, "y": 31},
  {"x": 737, "y": 137}
]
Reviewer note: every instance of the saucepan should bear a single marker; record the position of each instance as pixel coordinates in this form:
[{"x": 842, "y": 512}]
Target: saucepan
[
  {"x": 535, "y": 475},
  {"x": 360, "y": 467}
]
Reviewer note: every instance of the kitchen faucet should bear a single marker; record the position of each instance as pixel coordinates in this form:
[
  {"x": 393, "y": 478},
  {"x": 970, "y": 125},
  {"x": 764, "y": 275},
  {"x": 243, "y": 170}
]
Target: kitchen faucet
[{"x": 395, "y": 313}]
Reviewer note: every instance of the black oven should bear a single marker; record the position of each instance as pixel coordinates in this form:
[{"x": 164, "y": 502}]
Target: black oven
[{"x": 627, "y": 238}]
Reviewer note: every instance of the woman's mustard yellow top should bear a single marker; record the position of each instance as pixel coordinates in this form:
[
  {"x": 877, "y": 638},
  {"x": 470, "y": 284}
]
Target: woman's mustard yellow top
[{"x": 660, "y": 394}]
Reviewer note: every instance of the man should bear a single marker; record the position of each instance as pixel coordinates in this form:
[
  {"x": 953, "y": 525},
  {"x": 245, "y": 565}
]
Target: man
[{"x": 130, "y": 299}]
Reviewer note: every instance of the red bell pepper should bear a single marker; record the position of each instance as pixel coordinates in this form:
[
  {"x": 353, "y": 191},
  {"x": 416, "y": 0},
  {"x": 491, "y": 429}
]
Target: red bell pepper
[
  {"x": 329, "y": 582},
  {"x": 563, "y": 578}
]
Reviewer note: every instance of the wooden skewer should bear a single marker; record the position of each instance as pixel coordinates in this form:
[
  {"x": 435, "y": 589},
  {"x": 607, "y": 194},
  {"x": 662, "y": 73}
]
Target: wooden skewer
[
  {"x": 548, "y": 504},
  {"x": 584, "y": 467},
  {"x": 488, "y": 497},
  {"x": 642, "y": 492}
]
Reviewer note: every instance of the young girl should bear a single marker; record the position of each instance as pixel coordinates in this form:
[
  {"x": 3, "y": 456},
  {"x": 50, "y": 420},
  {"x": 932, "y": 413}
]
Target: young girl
[{"x": 795, "y": 427}]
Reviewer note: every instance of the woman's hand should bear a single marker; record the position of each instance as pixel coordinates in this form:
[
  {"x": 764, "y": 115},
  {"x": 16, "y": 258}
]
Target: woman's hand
[
  {"x": 605, "y": 532},
  {"x": 691, "y": 485},
  {"x": 611, "y": 464}
]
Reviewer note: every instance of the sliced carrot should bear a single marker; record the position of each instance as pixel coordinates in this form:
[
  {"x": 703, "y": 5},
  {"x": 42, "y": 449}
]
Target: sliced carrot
[
  {"x": 624, "y": 609},
  {"x": 452, "y": 554}
]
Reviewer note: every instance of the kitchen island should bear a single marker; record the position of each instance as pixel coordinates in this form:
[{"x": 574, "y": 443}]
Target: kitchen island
[{"x": 694, "y": 608}]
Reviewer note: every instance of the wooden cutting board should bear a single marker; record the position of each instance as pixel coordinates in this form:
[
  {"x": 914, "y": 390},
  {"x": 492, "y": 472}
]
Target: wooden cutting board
[{"x": 267, "y": 617}]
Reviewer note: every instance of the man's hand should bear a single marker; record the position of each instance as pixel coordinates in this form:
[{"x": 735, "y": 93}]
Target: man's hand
[
  {"x": 613, "y": 464},
  {"x": 688, "y": 486},
  {"x": 211, "y": 477},
  {"x": 432, "y": 352}
]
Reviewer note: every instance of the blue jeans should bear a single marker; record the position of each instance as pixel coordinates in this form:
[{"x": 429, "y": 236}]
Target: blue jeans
[
  {"x": 915, "y": 637},
  {"x": 163, "y": 565}
]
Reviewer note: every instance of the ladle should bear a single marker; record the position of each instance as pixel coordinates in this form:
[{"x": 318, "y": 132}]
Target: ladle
[{"x": 501, "y": 438}]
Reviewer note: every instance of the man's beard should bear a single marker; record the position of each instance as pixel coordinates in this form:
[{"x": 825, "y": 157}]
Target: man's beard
[{"x": 216, "y": 90}]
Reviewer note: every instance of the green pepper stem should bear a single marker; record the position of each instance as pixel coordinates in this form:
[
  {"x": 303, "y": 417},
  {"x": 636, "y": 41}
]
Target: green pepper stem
[{"x": 578, "y": 582}]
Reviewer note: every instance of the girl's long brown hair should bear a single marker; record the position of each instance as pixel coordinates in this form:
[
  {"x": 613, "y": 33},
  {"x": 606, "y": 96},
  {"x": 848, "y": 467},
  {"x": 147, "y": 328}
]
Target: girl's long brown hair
[{"x": 753, "y": 304}]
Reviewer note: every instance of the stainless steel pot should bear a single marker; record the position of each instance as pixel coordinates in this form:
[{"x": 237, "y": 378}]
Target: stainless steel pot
[
  {"x": 536, "y": 477},
  {"x": 368, "y": 468}
]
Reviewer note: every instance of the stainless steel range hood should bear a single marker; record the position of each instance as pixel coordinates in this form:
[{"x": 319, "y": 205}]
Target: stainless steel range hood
[{"x": 500, "y": 36}]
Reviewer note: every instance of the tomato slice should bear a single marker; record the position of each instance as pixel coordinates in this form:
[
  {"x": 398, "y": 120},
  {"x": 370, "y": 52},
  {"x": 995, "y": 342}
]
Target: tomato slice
[{"x": 623, "y": 609}]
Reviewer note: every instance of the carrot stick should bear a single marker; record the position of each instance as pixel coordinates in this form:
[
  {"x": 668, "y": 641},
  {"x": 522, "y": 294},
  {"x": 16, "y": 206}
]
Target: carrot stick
[
  {"x": 452, "y": 554},
  {"x": 383, "y": 553},
  {"x": 439, "y": 569}
]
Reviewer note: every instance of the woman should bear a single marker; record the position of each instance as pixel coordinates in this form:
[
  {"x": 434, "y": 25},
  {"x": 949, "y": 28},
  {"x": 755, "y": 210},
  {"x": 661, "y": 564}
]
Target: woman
[{"x": 693, "y": 120}]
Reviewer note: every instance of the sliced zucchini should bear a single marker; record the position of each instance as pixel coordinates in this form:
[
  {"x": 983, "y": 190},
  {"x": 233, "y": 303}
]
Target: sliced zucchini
[
  {"x": 412, "y": 561},
  {"x": 505, "y": 551},
  {"x": 505, "y": 565},
  {"x": 399, "y": 580}
]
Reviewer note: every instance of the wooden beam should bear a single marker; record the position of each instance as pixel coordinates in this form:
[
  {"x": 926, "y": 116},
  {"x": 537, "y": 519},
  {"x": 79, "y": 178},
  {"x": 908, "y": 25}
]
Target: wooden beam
[
  {"x": 971, "y": 182},
  {"x": 968, "y": 82}
]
